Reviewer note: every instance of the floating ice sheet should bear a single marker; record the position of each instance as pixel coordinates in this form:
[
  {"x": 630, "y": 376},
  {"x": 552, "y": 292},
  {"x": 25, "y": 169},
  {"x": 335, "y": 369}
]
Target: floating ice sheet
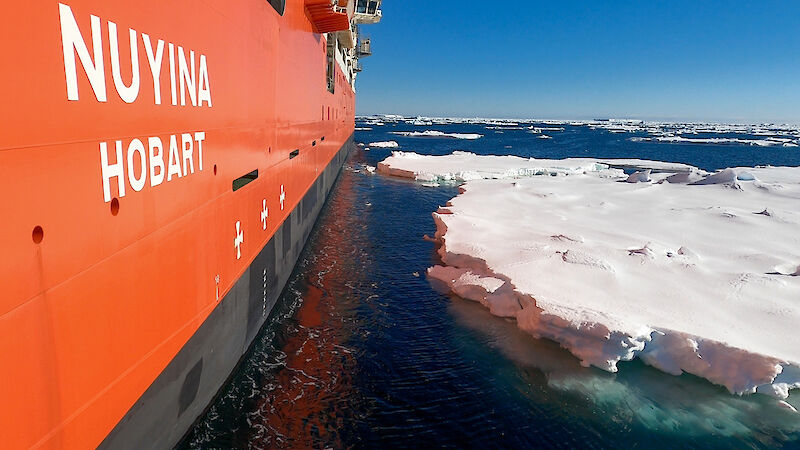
[
  {"x": 689, "y": 271},
  {"x": 463, "y": 166}
]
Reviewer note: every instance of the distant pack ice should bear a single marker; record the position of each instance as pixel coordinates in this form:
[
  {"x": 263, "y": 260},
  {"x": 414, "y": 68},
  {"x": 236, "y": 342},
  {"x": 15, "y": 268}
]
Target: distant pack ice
[{"x": 689, "y": 271}]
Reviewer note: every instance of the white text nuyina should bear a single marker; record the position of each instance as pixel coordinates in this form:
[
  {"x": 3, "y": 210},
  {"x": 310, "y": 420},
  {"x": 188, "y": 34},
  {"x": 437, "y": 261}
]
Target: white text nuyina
[{"x": 143, "y": 161}]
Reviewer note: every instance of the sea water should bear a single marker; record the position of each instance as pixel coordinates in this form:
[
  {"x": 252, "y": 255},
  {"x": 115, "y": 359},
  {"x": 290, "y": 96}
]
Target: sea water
[{"x": 362, "y": 351}]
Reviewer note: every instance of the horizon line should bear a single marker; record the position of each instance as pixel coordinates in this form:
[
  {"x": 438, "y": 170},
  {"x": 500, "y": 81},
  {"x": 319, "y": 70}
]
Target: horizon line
[{"x": 596, "y": 119}]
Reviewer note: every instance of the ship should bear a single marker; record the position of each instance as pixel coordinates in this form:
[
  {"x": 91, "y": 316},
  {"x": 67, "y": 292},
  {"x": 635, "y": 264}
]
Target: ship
[{"x": 162, "y": 166}]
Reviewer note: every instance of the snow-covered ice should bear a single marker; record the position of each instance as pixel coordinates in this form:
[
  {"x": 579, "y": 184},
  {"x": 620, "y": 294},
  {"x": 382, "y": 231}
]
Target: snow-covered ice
[
  {"x": 686, "y": 270},
  {"x": 384, "y": 144},
  {"x": 643, "y": 164},
  {"x": 464, "y": 166},
  {"x": 438, "y": 134},
  {"x": 759, "y": 142}
]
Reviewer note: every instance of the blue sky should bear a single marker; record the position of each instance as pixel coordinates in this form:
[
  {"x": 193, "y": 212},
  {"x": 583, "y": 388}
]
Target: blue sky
[{"x": 671, "y": 60}]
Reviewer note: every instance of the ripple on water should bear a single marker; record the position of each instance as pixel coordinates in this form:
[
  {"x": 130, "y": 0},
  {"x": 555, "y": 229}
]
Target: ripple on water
[{"x": 361, "y": 353}]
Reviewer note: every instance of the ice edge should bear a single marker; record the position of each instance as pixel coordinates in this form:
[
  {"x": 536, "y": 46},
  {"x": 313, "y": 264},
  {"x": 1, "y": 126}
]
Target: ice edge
[{"x": 594, "y": 344}]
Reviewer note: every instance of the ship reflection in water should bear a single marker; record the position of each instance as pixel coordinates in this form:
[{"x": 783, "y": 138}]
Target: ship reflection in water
[{"x": 363, "y": 352}]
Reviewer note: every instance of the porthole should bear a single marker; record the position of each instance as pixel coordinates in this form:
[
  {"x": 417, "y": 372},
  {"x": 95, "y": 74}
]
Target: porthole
[{"x": 38, "y": 234}]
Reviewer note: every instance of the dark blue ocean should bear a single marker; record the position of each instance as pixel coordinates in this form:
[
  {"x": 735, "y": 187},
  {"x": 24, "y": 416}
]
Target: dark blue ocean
[{"x": 362, "y": 352}]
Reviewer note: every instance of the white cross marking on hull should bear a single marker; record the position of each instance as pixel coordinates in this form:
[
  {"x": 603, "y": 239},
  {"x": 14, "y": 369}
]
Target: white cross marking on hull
[
  {"x": 283, "y": 197},
  {"x": 239, "y": 239},
  {"x": 264, "y": 214}
]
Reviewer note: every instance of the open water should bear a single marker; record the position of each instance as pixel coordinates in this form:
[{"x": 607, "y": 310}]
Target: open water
[{"x": 362, "y": 352}]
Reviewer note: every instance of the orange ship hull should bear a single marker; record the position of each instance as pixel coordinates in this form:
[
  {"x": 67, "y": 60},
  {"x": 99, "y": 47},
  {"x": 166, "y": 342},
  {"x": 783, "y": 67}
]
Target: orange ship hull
[{"x": 151, "y": 220}]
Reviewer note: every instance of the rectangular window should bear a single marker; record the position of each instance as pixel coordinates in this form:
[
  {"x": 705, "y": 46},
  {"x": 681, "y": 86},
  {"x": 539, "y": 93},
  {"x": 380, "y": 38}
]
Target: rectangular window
[
  {"x": 367, "y": 6},
  {"x": 245, "y": 180},
  {"x": 373, "y": 6}
]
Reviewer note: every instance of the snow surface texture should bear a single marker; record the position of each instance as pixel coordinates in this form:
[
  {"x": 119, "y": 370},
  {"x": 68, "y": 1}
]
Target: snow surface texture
[{"x": 689, "y": 271}]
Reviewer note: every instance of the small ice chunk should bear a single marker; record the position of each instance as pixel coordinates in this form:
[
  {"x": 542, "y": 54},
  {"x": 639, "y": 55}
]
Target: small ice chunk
[
  {"x": 745, "y": 176},
  {"x": 384, "y": 144},
  {"x": 722, "y": 177},
  {"x": 465, "y": 283},
  {"x": 644, "y": 251},
  {"x": 639, "y": 177},
  {"x": 685, "y": 177}
]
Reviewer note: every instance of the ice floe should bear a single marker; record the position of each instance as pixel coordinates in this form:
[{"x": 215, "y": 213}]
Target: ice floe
[
  {"x": 464, "y": 166},
  {"x": 384, "y": 144},
  {"x": 688, "y": 271},
  {"x": 438, "y": 134},
  {"x": 681, "y": 139}
]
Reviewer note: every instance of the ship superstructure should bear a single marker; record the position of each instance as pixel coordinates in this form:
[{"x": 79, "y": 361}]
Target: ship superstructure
[{"x": 162, "y": 165}]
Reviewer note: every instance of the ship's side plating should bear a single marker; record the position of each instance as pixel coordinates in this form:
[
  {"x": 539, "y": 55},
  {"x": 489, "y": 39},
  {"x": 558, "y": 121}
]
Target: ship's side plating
[
  {"x": 161, "y": 164},
  {"x": 181, "y": 393}
]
